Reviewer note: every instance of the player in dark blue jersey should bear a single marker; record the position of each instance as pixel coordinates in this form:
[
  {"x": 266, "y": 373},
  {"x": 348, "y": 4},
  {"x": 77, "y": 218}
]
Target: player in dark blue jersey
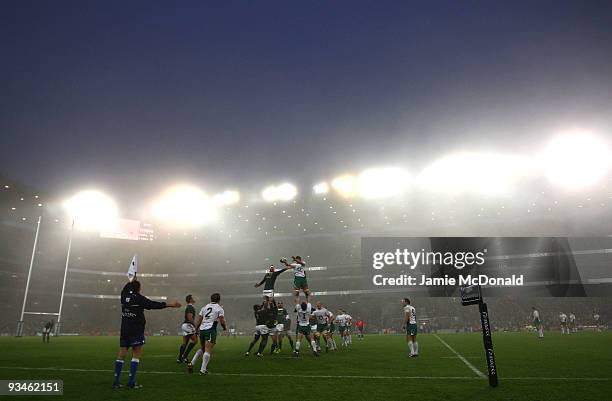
[{"x": 132, "y": 328}]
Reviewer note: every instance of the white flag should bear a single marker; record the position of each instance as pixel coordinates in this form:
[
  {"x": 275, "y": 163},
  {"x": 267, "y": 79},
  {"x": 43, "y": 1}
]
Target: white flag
[{"x": 133, "y": 268}]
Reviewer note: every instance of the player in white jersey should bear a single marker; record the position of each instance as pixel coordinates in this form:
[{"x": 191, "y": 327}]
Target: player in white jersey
[
  {"x": 572, "y": 323},
  {"x": 349, "y": 329},
  {"x": 342, "y": 322},
  {"x": 410, "y": 322},
  {"x": 304, "y": 312},
  {"x": 563, "y": 320},
  {"x": 537, "y": 323},
  {"x": 299, "y": 278},
  {"x": 207, "y": 321},
  {"x": 323, "y": 317},
  {"x": 596, "y": 321}
]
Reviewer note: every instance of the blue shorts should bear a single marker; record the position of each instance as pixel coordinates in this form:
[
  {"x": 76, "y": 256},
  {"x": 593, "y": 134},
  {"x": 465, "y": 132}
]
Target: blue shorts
[{"x": 134, "y": 341}]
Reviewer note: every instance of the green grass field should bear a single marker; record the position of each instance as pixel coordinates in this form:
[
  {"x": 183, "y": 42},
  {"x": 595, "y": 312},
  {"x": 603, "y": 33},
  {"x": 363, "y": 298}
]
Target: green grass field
[{"x": 572, "y": 367}]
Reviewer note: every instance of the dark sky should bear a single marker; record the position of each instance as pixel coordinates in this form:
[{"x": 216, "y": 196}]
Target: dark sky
[{"x": 131, "y": 95}]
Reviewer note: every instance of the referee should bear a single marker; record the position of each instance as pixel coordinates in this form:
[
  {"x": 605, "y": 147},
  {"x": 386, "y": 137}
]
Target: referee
[{"x": 132, "y": 328}]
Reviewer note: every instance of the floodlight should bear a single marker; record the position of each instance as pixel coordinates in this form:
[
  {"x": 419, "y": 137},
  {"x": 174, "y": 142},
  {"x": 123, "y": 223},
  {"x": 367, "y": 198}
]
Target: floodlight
[
  {"x": 378, "y": 183},
  {"x": 575, "y": 161},
  {"x": 91, "y": 210},
  {"x": 226, "y": 198},
  {"x": 184, "y": 206},
  {"x": 476, "y": 173},
  {"x": 321, "y": 188},
  {"x": 345, "y": 185},
  {"x": 282, "y": 192}
]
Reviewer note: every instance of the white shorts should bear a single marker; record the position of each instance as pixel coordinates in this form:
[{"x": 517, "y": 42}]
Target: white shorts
[
  {"x": 279, "y": 328},
  {"x": 188, "y": 329},
  {"x": 46, "y": 331},
  {"x": 268, "y": 293},
  {"x": 261, "y": 329}
]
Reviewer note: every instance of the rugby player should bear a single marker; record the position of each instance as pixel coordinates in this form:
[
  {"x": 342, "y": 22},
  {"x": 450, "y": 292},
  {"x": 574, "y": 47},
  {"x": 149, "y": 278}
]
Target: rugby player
[
  {"x": 207, "y": 321},
  {"x": 572, "y": 323},
  {"x": 133, "y": 322},
  {"x": 537, "y": 323},
  {"x": 283, "y": 326},
  {"x": 299, "y": 279},
  {"x": 269, "y": 280},
  {"x": 563, "y": 319},
  {"x": 410, "y": 321},
  {"x": 264, "y": 314},
  {"x": 341, "y": 320},
  {"x": 596, "y": 321},
  {"x": 349, "y": 329},
  {"x": 189, "y": 331},
  {"x": 47, "y": 331},
  {"x": 323, "y": 317},
  {"x": 261, "y": 330},
  {"x": 304, "y": 312}
]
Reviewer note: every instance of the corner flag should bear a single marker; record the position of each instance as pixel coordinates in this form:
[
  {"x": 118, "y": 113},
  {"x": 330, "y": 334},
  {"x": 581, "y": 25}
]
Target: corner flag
[{"x": 133, "y": 268}]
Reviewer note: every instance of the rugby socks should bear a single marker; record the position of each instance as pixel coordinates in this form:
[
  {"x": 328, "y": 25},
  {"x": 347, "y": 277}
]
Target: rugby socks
[
  {"x": 416, "y": 348},
  {"x": 205, "y": 361},
  {"x": 314, "y": 345},
  {"x": 118, "y": 368},
  {"x": 297, "y": 346},
  {"x": 181, "y": 351},
  {"x": 411, "y": 346},
  {"x": 196, "y": 356},
  {"x": 188, "y": 350},
  {"x": 133, "y": 369}
]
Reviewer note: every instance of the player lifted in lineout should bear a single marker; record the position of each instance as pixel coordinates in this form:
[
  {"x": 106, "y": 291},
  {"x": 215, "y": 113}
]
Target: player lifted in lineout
[
  {"x": 299, "y": 279},
  {"x": 133, "y": 327},
  {"x": 207, "y": 321},
  {"x": 304, "y": 312},
  {"x": 410, "y": 322},
  {"x": 189, "y": 331},
  {"x": 269, "y": 280}
]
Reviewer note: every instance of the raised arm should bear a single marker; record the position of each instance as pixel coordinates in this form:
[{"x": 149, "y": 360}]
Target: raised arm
[{"x": 149, "y": 304}]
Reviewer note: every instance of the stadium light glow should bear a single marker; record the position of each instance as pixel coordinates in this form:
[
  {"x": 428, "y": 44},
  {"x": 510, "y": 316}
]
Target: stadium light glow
[
  {"x": 575, "y": 161},
  {"x": 92, "y": 210},
  {"x": 321, "y": 188},
  {"x": 379, "y": 183},
  {"x": 184, "y": 206},
  {"x": 488, "y": 174},
  {"x": 282, "y": 192},
  {"x": 345, "y": 186},
  {"x": 226, "y": 198}
]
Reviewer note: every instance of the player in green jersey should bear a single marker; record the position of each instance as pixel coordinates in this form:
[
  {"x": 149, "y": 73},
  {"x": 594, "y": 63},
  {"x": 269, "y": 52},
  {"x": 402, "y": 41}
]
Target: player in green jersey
[{"x": 189, "y": 331}]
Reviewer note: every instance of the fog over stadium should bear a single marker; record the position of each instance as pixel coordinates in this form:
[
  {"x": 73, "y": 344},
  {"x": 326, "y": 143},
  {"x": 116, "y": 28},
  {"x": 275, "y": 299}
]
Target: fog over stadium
[{"x": 212, "y": 143}]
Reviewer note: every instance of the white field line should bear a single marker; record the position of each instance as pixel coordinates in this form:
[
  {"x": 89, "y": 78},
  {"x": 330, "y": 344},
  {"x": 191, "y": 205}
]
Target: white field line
[
  {"x": 468, "y": 364},
  {"x": 534, "y": 378}
]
